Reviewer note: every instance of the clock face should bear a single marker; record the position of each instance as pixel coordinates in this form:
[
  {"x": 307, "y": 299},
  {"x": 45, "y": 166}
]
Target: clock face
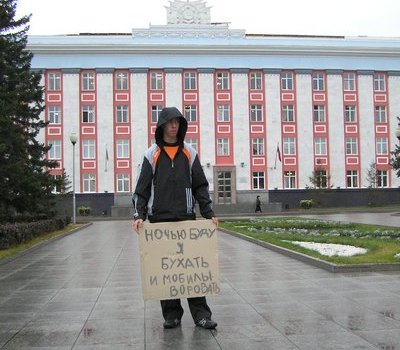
[{"x": 188, "y": 12}]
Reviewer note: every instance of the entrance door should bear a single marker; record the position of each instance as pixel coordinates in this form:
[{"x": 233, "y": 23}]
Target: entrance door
[{"x": 224, "y": 187}]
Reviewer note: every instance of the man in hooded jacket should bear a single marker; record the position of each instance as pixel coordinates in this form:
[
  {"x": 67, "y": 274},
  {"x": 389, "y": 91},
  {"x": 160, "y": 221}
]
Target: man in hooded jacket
[{"x": 170, "y": 180}]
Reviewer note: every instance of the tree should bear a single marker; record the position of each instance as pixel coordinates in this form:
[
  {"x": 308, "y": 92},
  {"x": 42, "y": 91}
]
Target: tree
[
  {"x": 64, "y": 183},
  {"x": 25, "y": 181},
  {"x": 319, "y": 179},
  {"x": 395, "y": 160},
  {"x": 372, "y": 175}
]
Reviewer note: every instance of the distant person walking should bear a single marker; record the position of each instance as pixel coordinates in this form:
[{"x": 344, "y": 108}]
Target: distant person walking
[{"x": 258, "y": 205}]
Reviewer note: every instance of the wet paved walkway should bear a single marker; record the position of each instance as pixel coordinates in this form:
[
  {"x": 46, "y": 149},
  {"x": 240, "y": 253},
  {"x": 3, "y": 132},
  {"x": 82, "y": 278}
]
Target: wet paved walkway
[{"x": 83, "y": 292}]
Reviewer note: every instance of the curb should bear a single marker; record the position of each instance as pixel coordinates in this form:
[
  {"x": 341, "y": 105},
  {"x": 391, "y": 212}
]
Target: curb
[
  {"x": 328, "y": 266},
  {"x": 41, "y": 244}
]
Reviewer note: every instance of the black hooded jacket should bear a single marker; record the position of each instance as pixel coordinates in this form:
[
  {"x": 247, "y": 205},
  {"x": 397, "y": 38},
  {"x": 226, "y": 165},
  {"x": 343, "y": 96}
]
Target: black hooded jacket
[{"x": 166, "y": 189}]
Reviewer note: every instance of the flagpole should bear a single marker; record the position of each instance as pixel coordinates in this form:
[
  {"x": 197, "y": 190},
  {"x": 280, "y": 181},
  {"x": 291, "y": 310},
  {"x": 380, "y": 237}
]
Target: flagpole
[
  {"x": 276, "y": 154},
  {"x": 105, "y": 167}
]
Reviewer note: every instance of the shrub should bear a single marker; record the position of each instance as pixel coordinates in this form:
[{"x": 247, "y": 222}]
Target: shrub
[
  {"x": 306, "y": 203},
  {"x": 84, "y": 210},
  {"x": 19, "y": 232}
]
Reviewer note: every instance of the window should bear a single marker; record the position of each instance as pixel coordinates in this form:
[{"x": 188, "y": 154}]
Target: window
[
  {"x": 382, "y": 178},
  {"x": 320, "y": 146},
  {"x": 319, "y": 113},
  {"x": 352, "y": 178},
  {"x": 88, "y": 149},
  {"x": 58, "y": 186},
  {"x": 222, "y": 81},
  {"x": 351, "y": 146},
  {"x": 258, "y": 180},
  {"x": 88, "y": 81},
  {"x": 289, "y": 146},
  {"x": 190, "y": 80},
  {"x": 155, "y": 112},
  {"x": 258, "y": 146},
  {"x": 223, "y": 147},
  {"x": 54, "y": 114},
  {"x": 381, "y": 145},
  {"x": 89, "y": 183},
  {"x": 318, "y": 81},
  {"x": 255, "y": 81},
  {"x": 350, "y": 114},
  {"x": 193, "y": 142},
  {"x": 88, "y": 114},
  {"x": 380, "y": 114},
  {"x": 223, "y": 113},
  {"x": 256, "y": 113},
  {"x": 288, "y": 113},
  {"x": 224, "y": 187},
  {"x": 122, "y": 113},
  {"x": 321, "y": 179},
  {"x": 54, "y": 82},
  {"x": 122, "y": 148},
  {"x": 289, "y": 178},
  {"x": 123, "y": 183},
  {"x": 191, "y": 113},
  {"x": 287, "y": 80},
  {"x": 349, "y": 82},
  {"x": 379, "y": 82},
  {"x": 121, "y": 81},
  {"x": 156, "y": 81},
  {"x": 55, "y": 150}
]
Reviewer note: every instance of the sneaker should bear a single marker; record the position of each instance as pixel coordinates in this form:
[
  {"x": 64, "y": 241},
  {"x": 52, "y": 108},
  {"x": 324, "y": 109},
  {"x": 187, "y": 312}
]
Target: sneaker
[
  {"x": 207, "y": 323},
  {"x": 172, "y": 323}
]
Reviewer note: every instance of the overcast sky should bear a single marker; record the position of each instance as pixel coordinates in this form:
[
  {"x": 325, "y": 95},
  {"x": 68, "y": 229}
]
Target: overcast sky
[{"x": 306, "y": 17}]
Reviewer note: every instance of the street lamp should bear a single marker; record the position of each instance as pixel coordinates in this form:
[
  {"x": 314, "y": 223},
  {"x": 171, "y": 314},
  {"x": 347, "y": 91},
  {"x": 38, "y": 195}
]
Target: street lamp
[{"x": 73, "y": 138}]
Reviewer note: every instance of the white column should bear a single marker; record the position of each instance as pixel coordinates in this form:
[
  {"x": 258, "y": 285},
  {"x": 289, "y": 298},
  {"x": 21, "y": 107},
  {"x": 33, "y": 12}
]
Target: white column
[
  {"x": 336, "y": 130},
  {"x": 394, "y": 111},
  {"x": 305, "y": 137},
  {"x": 207, "y": 128},
  {"x": 173, "y": 90},
  {"x": 241, "y": 137},
  {"x": 105, "y": 134},
  {"x": 139, "y": 122},
  {"x": 367, "y": 126},
  {"x": 273, "y": 117},
  {"x": 71, "y": 117}
]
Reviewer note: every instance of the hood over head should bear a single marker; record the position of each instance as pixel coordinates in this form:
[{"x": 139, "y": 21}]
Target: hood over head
[{"x": 166, "y": 114}]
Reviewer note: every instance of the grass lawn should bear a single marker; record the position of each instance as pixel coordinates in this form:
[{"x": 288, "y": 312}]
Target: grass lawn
[
  {"x": 382, "y": 242},
  {"x": 4, "y": 253}
]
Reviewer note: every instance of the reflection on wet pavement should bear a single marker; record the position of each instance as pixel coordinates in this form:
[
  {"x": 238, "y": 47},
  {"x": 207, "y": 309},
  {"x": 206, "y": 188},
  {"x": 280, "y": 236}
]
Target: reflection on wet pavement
[{"x": 83, "y": 292}]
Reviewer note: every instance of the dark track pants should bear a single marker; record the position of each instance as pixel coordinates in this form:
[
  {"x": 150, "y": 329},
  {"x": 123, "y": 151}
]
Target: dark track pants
[{"x": 172, "y": 309}]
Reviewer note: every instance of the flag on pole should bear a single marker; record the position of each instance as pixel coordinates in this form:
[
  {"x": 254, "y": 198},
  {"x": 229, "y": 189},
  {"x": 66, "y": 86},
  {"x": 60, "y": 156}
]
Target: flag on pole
[
  {"x": 105, "y": 168},
  {"x": 278, "y": 152}
]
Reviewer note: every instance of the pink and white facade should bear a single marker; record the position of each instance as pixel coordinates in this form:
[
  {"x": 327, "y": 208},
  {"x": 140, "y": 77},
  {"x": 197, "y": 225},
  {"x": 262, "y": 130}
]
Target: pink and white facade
[{"x": 264, "y": 112}]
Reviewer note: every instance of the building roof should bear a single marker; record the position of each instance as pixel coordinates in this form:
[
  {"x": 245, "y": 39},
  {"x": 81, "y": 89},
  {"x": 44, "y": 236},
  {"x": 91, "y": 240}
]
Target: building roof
[{"x": 190, "y": 40}]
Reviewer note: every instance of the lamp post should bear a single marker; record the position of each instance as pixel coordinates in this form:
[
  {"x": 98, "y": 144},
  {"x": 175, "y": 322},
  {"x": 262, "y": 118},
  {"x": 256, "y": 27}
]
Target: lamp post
[{"x": 73, "y": 138}]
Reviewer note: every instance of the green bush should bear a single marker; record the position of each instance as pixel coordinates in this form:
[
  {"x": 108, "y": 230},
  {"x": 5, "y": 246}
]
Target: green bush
[
  {"x": 84, "y": 210},
  {"x": 19, "y": 232},
  {"x": 306, "y": 203}
]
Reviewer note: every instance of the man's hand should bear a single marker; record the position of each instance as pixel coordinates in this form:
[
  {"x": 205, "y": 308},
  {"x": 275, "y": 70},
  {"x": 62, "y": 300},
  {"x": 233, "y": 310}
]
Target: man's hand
[
  {"x": 214, "y": 219},
  {"x": 137, "y": 224}
]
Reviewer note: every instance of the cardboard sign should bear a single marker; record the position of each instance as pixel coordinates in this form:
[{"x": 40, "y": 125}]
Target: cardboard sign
[{"x": 179, "y": 259}]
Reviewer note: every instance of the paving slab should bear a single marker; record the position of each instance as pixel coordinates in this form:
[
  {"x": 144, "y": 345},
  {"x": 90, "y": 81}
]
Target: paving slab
[{"x": 83, "y": 292}]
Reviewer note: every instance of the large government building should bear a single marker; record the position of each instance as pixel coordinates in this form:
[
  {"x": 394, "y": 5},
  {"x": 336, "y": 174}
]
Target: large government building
[{"x": 265, "y": 112}]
